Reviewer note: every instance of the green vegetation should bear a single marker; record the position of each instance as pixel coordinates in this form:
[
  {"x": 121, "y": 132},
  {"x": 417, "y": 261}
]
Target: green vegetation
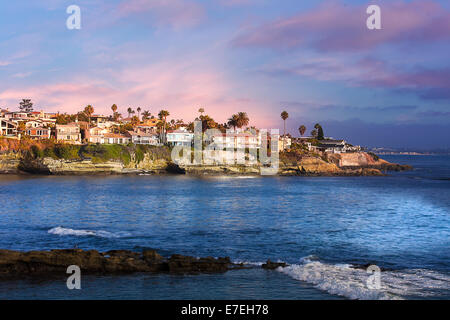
[
  {"x": 97, "y": 153},
  {"x": 374, "y": 156}
]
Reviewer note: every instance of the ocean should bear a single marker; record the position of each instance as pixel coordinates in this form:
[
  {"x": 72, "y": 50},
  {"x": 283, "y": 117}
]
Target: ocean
[{"x": 319, "y": 225}]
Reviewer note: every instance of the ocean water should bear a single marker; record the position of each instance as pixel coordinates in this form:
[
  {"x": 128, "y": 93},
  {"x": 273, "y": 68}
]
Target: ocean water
[{"x": 319, "y": 225}]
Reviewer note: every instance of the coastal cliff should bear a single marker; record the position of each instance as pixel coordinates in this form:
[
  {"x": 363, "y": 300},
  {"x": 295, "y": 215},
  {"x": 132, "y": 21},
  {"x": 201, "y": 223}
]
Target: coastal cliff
[
  {"x": 339, "y": 165},
  {"x": 55, "y": 159}
]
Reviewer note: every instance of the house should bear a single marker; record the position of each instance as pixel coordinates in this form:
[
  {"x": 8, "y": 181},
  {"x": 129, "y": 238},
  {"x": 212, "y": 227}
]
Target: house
[
  {"x": 96, "y": 134},
  {"x": 68, "y": 133},
  {"x": 237, "y": 140},
  {"x": 116, "y": 138},
  {"x": 180, "y": 137},
  {"x": 284, "y": 143},
  {"x": 8, "y": 128},
  {"x": 146, "y": 128},
  {"x": 38, "y": 132},
  {"x": 152, "y": 122},
  {"x": 144, "y": 138},
  {"x": 333, "y": 146}
]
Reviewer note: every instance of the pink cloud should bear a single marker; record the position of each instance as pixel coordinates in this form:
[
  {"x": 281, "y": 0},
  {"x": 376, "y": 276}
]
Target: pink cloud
[
  {"x": 334, "y": 26},
  {"x": 180, "y": 87}
]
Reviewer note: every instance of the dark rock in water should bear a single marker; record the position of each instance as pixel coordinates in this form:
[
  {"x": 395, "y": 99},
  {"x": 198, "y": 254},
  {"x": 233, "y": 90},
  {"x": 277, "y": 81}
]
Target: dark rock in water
[
  {"x": 273, "y": 265},
  {"x": 184, "y": 264},
  {"x": 114, "y": 261}
]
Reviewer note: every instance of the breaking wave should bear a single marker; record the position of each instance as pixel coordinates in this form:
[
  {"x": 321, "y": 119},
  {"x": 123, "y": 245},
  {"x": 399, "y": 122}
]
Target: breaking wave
[
  {"x": 343, "y": 280},
  {"x": 83, "y": 233}
]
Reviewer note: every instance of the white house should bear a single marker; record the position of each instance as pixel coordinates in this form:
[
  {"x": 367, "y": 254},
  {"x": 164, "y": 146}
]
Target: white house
[
  {"x": 144, "y": 138},
  {"x": 237, "y": 140},
  {"x": 180, "y": 137}
]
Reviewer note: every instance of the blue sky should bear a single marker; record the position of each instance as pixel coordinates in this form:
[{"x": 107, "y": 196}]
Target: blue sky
[{"x": 314, "y": 59}]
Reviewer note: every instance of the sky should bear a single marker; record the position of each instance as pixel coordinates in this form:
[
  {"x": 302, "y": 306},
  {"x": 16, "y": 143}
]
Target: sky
[{"x": 315, "y": 59}]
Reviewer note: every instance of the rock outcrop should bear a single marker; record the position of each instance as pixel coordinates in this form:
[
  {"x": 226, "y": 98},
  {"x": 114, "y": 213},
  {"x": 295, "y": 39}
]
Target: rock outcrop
[
  {"x": 13, "y": 263},
  {"x": 363, "y": 160}
]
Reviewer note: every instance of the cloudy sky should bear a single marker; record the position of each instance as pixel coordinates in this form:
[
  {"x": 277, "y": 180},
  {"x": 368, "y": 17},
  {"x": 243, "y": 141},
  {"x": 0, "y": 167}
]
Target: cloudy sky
[{"x": 315, "y": 59}]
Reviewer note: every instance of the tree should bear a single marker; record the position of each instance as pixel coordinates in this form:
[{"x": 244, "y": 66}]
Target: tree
[
  {"x": 146, "y": 115},
  {"x": 114, "y": 108},
  {"x": 26, "y": 105},
  {"x": 284, "y": 116},
  {"x": 233, "y": 121},
  {"x": 163, "y": 114},
  {"x": 314, "y": 133},
  {"x": 139, "y": 112},
  {"x": 208, "y": 123},
  {"x": 130, "y": 111},
  {"x": 89, "y": 110},
  {"x": 242, "y": 119},
  {"x": 302, "y": 130},
  {"x": 201, "y": 110},
  {"x": 319, "y": 129}
]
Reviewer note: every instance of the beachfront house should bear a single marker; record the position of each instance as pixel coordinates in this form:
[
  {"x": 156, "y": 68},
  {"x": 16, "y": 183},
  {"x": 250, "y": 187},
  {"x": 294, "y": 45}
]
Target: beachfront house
[
  {"x": 38, "y": 132},
  {"x": 333, "y": 146},
  {"x": 237, "y": 140},
  {"x": 69, "y": 133},
  {"x": 284, "y": 143},
  {"x": 8, "y": 128},
  {"x": 180, "y": 137},
  {"x": 142, "y": 137},
  {"x": 116, "y": 138},
  {"x": 96, "y": 134}
]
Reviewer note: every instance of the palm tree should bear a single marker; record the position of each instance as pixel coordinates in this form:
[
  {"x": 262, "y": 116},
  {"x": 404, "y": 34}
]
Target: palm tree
[
  {"x": 302, "y": 130},
  {"x": 114, "y": 108},
  {"x": 130, "y": 111},
  {"x": 89, "y": 110},
  {"x": 139, "y": 112},
  {"x": 233, "y": 121},
  {"x": 201, "y": 110},
  {"x": 146, "y": 115},
  {"x": 243, "y": 119},
  {"x": 284, "y": 116},
  {"x": 163, "y": 114}
]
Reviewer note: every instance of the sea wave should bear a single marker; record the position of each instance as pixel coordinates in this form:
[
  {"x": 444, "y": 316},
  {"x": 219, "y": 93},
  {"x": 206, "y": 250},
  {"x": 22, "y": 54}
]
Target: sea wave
[
  {"x": 83, "y": 233},
  {"x": 343, "y": 280}
]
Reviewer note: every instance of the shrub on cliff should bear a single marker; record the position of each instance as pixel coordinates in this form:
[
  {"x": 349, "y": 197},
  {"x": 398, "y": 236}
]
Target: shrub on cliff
[
  {"x": 66, "y": 151},
  {"x": 106, "y": 152}
]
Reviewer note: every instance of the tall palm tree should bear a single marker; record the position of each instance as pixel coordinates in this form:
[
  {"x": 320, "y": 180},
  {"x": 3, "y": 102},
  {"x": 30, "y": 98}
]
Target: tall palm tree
[
  {"x": 139, "y": 112},
  {"x": 163, "y": 114},
  {"x": 201, "y": 110},
  {"x": 114, "y": 108},
  {"x": 129, "y": 110},
  {"x": 89, "y": 110},
  {"x": 284, "y": 116},
  {"x": 233, "y": 121},
  {"x": 302, "y": 130},
  {"x": 243, "y": 119}
]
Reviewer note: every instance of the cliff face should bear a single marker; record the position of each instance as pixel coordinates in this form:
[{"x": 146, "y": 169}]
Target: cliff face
[
  {"x": 9, "y": 163},
  {"x": 337, "y": 165}
]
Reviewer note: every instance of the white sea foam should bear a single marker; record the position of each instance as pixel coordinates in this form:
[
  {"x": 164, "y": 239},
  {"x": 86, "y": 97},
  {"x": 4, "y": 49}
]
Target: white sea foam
[
  {"x": 351, "y": 283},
  {"x": 248, "y": 263},
  {"x": 82, "y": 233}
]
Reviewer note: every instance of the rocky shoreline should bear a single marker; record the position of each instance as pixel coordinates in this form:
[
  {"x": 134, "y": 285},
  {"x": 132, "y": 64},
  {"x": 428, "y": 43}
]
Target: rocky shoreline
[
  {"x": 358, "y": 164},
  {"x": 47, "y": 263}
]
